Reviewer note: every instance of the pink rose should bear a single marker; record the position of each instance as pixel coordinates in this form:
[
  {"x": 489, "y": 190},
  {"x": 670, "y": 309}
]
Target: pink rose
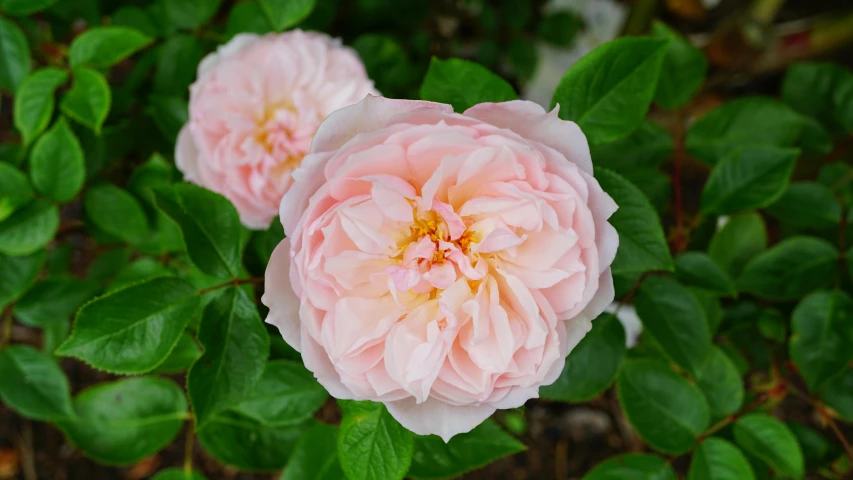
[
  {"x": 254, "y": 109},
  {"x": 442, "y": 264}
]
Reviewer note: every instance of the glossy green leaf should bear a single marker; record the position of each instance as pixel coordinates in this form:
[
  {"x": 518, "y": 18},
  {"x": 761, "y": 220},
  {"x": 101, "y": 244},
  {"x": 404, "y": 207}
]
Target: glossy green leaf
[
  {"x": 137, "y": 19},
  {"x": 286, "y": 394},
  {"x": 632, "y": 466},
  {"x": 17, "y": 274},
  {"x": 57, "y": 167},
  {"x": 132, "y": 331},
  {"x": 433, "y": 458},
  {"x": 177, "y": 61},
  {"x": 142, "y": 269},
  {"x": 284, "y": 14},
  {"x": 190, "y": 14},
  {"x": 88, "y": 101},
  {"x": 791, "y": 269},
  {"x": 371, "y": 444},
  {"x": 29, "y": 229},
  {"x": 315, "y": 456},
  {"x": 676, "y": 320},
  {"x": 683, "y": 70},
  {"x": 14, "y": 56},
  {"x": 185, "y": 353},
  {"x": 821, "y": 345},
  {"x": 34, "y": 102},
  {"x": 102, "y": 47},
  {"x": 647, "y": 146},
  {"x": 608, "y": 91},
  {"x": 697, "y": 268},
  {"x": 170, "y": 113},
  {"x": 717, "y": 459},
  {"x": 668, "y": 412},
  {"x": 125, "y": 421},
  {"x": 560, "y": 27},
  {"x": 236, "y": 346},
  {"x": 177, "y": 474},
  {"x": 33, "y": 384},
  {"x": 210, "y": 226},
  {"x": 247, "y": 444},
  {"x": 719, "y": 380},
  {"x": 770, "y": 440},
  {"x": 642, "y": 246},
  {"x": 748, "y": 177},
  {"x": 54, "y": 300},
  {"x": 837, "y": 393},
  {"x": 823, "y": 91},
  {"x": 592, "y": 365},
  {"x": 738, "y": 241},
  {"x": 807, "y": 205},
  {"x": 818, "y": 450},
  {"x": 116, "y": 212},
  {"x": 711, "y": 306},
  {"x": 247, "y": 17},
  {"x": 463, "y": 84},
  {"x": 24, "y": 7},
  {"x": 15, "y": 190}
]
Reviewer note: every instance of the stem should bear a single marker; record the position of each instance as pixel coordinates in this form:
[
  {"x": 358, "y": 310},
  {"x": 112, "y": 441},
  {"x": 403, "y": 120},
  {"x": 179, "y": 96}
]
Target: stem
[
  {"x": 827, "y": 417},
  {"x": 839, "y": 434},
  {"x": 759, "y": 400},
  {"x": 235, "y": 282},
  {"x": 7, "y": 328},
  {"x": 188, "y": 449}
]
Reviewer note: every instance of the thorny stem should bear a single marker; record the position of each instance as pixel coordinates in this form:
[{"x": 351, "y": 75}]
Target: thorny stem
[{"x": 234, "y": 282}]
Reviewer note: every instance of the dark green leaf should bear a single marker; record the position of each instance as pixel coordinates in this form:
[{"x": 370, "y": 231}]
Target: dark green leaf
[
  {"x": 667, "y": 412},
  {"x": 29, "y": 229},
  {"x": 837, "y": 393},
  {"x": 463, "y": 84},
  {"x": 170, "y": 113},
  {"x": 17, "y": 274},
  {"x": 34, "y": 101},
  {"x": 24, "y": 7},
  {"x": 821, "y": 345},
  {"x": 286, "y": 394},
  {"x": 371, "y": 444},
  {"x": 385, "y": 61},
  {"x": 772, "y": 325},
  {"x": 818, "y": 451},
  {"x": 185, "y": 353},
  {"x": 770, "y": 440},
  {"x": 138, "y": 19},
  {"x": 433, "y": 458},
  {"x": 89, "y": 99},
  {"x": 633, "y": 466},
  {"x": 683, "y": 70},
  {"x": 608, "y": 92},
  {"x": 125, "y": 421},
  {"x": 190, "y": 14},
  {"x": 592, "y": 365},
  {"x": 560, "y": 28},
  {"x": 647, "y": 146},
  {"x": 56, "y": 163},
  {"x": 284, "y": 14},
  {"x": 102, "y": 47},
  {"x": 676, "y": 320},
  {"x": 132, "y": 331},
  {"x": 711, "y": 306},
  {"x": 823, "y": 91},
  {"x": 245, "y": 443},
  {"x": 236, "y": 346},
  {"x": 791, "y": 269},
  {"x": 697, "y": 268},
  {"x": 33, "y": 384},
  {"x": 15, "y": 190},
  {"x": 717, "y": 459},
  {"x": 142, "y": 269},
  {"x": 54, "y": 300},
  {"x": 642, "y": 246},
  {"x": 721, "y": 383},
  {"x": 116, "y": 212},
  {"x": 315, "y": 456},
  {"x": 247, "y": 17},
  {"x": 748, "y": 177},
  {"x": 177, "y": 62},
  {"x": 14, "y": 56},
  {"x": 807, "y": 205},
  {"x": 741, "y": 238},
  {"x": 654, "y": 184}
]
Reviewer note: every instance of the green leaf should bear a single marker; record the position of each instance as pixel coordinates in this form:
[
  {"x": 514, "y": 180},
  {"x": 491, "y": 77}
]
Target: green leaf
[
  {"x": 88, "y": 101},
  {"x": 210, "y": 226},
  {"x": 315, "y": 456},
  {"x": 642, "y": 246},
  {"x": 138, "y": 19},
  {"x": 122, "y": 422},
  {"x": 647, "y": 146},
  {"x": 748, "y": 177},
  {"x": 676, "y": 320},
  {"x": 14, "y": 56},
  {"x": 117, "y": 212},
  {"x": 185, "y": 353},
  {"x": 29, "y": 229},
  {"x": 247, "y": 444},
  {"x": 177, "y": 62},
  {"x": 54, "y": 300},
  {"x": 717, "y": 459},
  {"x": 667, "y": 412},
  {"x": 741, "y": 238},
  {"x": 433, "y": 458},
  {"x": 823, "y": 91},
  {"x": 190, "y": 14},
  {"x": 791, "y": 269},
  {"x": 17, "y": 274},
  {"x": 592, "y": 365},
  {"x": 807, "y": 205},
  {"x": 463, "y": 84},
  {"x": 683, "y": 70},
  {"x": 102, "y": 47},
  {"x": 748, "y": 121},
  {"x": 177, "y": 474},
  {"x": 132, "y": 331},
  {"x": 818, "y": 451},
  {"x": 371, "y": 444},
  {"x": 821, "y": 345},
  {"x": 24, "y": 7},
  {"x": 697, "y": 268},
  {"x": 286, "y": 394},
  {"x": 560, "y": 28},
  {"x": 771, "y": 441},
  {"x": 837, "y": 393},
  {"x": 608, "y": 91},
  {"x": 57, "y": 167},
  {"x": 34, "y": 101},
  {"x": 170, "y": 113},
  {"x": 632, "y": 466},
  {"x": 711, "y": 306},
  {"x": 247, "y": 17},
  {"x": 236, "y": 346},
  {"x": 721, "y": 383},
  {"x": 284, "y": 14},
  {"x": 15, "y": 190},
  {"x": 386, "y": 62},
  {"x": 142, "y": 269},
  {"x": 34, "y": 385}
]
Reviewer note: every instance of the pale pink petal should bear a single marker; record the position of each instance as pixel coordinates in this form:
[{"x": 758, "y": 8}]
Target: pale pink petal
[
  {"x": 434, "y": 417},
  {"x": 279, "y": 296}
]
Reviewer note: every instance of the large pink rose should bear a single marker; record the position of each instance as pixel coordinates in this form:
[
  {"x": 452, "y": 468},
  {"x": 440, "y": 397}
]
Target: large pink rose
[
  {"x": 442, "y": 264},
  {"x": 254, "y": 109}
]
